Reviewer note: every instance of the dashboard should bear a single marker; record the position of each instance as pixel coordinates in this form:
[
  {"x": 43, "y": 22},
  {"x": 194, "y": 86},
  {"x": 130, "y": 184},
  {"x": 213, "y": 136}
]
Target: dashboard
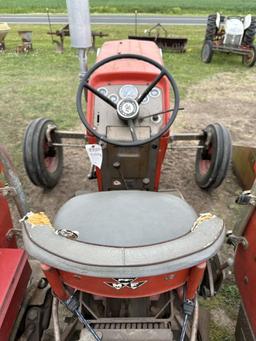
[{"x": 107, "y": 122}]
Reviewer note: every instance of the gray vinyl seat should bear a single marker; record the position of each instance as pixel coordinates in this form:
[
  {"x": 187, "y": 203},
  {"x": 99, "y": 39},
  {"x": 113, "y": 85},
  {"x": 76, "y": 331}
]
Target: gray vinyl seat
[{"x": 124, "y": 234}]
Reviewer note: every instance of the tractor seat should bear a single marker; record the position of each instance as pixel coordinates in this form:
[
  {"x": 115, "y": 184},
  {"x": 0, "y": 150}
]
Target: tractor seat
[{"x": 124, "y": 234}]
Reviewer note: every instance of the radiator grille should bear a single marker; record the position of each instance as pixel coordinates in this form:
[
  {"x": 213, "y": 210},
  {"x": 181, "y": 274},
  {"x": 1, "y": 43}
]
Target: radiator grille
[{"x": 233, "y": 40}]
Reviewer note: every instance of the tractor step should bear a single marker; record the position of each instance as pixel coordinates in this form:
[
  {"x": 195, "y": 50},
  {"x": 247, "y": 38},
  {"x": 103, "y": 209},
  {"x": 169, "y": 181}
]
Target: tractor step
[{"x": 129, "y": 334}]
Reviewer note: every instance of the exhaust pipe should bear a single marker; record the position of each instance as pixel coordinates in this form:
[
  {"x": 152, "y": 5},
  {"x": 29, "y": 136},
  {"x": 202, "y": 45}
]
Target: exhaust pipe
[{"x": 80, "y": 29}]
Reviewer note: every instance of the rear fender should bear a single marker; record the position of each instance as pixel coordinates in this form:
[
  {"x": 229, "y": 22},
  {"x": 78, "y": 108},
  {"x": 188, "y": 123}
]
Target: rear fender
[
  {"x": 218, "y": 20},
  {"x": 247, "y": 21}
]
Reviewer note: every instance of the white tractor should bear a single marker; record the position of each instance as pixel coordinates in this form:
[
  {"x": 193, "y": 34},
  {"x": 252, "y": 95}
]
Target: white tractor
[{"x": 230, "y": 35}]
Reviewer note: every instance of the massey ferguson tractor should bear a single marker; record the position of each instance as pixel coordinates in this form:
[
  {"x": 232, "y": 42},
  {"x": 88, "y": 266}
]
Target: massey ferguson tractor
[
  {"x": 28, "y": 310},
  {"x": 230, "y": 35},
  {"x": 128, "y": 261}
]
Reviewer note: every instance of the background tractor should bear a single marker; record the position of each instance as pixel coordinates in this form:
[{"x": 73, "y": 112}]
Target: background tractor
[{"x": 230, "y": 35}]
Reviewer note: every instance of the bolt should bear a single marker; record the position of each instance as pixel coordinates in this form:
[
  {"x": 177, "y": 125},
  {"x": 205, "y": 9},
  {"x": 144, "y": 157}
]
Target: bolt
[
  {"x": 116, "y": 164},
  {"x": 32, "y": 314},
  {"x": 146, "y": 181},
  {"x": 42, "y": 283}
]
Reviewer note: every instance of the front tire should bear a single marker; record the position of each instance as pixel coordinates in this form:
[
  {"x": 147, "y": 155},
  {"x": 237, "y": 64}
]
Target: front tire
[
  {"x": 250, "y": 59},
  {"x": 207, "y": 52},
  {"x": 212, "y": 161},
  {"x": 43, "y": 162}
]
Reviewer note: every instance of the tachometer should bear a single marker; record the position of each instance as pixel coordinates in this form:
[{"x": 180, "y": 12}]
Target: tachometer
[{"x": 128, "y": 91}]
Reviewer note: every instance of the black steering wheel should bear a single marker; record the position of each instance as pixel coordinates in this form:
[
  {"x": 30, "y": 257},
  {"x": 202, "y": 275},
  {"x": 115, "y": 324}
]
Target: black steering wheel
[{"x": 127, "y": 109}]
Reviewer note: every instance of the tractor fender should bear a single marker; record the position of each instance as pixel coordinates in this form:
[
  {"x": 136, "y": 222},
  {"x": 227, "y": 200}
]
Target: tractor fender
[
  {"x": 218, "y": 20},
  {"x": 247, "y": 21}
]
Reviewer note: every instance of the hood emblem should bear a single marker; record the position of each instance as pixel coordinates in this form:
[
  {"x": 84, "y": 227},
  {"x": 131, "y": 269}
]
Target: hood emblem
[{"x": 120, "y": 283}]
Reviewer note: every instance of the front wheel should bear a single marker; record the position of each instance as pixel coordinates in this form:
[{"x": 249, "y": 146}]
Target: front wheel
[
  {"x": 213, "y": 156},
  {"x": 43, "y": 161},
  {"x": 207, "y": 51},
  {"x": 250, "y": 58}
]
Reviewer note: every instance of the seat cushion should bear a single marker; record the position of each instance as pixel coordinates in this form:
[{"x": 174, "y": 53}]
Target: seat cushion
[
  {"x": 126, "y": 218},
  {"x": 125, "y": 234}
]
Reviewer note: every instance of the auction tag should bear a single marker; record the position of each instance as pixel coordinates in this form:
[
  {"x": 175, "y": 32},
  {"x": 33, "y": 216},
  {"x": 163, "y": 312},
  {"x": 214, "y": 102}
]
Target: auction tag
[{"x": 94, "y": 152}]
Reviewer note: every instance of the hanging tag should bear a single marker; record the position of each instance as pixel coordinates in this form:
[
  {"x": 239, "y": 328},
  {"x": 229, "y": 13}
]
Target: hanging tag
[{"x": 94, "y": 152}]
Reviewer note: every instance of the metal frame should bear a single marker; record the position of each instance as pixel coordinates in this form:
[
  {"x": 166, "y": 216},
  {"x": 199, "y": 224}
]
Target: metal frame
[
  {"x": 236, "y": 50},
  {"x": 65, "y": 134}
]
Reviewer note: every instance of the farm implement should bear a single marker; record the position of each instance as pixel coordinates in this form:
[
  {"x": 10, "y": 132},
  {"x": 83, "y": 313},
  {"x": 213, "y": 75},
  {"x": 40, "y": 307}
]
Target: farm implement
[{"x": 230, "y": 35}]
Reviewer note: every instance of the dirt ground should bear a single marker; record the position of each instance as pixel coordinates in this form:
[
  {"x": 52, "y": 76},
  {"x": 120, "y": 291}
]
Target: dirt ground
[{"x": 225, "y": 98}]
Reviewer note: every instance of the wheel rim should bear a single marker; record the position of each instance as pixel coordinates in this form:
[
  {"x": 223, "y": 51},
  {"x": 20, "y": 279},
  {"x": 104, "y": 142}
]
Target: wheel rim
[
  {"x": 50, "y": 158},
  {"x": 206, "y": 161},
  {"x": 249, "y": 58}
]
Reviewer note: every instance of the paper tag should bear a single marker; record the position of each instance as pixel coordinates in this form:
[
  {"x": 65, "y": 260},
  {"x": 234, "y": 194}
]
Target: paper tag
[{"x": 94, "y": 152}]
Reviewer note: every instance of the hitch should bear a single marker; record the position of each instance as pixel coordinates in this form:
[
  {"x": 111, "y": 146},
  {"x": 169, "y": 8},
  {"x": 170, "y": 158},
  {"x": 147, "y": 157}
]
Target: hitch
[
  {"x": 234, "y": 240},
  {"x": 246, "y": 198}
]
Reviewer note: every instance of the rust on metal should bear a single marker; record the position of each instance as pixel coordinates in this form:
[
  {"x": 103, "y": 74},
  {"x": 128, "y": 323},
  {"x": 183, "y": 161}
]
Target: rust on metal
[
  {"x": 64, "y": 32},
  {"x": 26, "y": 39},
  {"x": 174, "y": 44},
  {"x": 4, "y": 29}
]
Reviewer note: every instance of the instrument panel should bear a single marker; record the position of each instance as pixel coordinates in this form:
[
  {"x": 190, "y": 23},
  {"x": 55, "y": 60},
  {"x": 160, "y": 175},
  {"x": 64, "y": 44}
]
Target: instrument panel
[
  {"x": 107, "y": 122},
  {"x": 130, "y": 91}
]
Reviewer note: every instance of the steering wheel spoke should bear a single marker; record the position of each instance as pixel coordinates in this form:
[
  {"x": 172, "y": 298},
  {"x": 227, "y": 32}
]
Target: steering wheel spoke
[
  {"x": 151, "y": 86},
  {"x": 99, "y": 94}
]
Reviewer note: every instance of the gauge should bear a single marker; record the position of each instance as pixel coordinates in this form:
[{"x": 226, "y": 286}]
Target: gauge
[
  {"x": 156, "y": 119},
  {"x": 145, "y": 100},
  {"x": 103, "y": 91},
  {"x": 155, "y": 92},
  {"x": 128, "y": 91},
  {"x": 114, "y": 98}
]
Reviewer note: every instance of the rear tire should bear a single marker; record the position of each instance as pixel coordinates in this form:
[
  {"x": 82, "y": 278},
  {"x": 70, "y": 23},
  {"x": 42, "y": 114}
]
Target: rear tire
[
  {"x": 250, "y": 59},
  {"x": 213, "y": 160},
  {"x": 207, "y": 52},
  {"x": 249, "y": 33},
  {"x": 211, "y": 28},
  {"x": 43, "y": 162}
]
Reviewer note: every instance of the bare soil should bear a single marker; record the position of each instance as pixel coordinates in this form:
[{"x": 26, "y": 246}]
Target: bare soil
[{"x": 225, "y": 98}]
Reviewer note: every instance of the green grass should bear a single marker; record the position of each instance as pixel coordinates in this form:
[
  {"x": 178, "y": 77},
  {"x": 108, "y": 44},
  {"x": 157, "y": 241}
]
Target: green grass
[
  {"x": 44, "y": 83},
  {"x": 227, "y": 299},
  {"x": 144, "y": 6}
]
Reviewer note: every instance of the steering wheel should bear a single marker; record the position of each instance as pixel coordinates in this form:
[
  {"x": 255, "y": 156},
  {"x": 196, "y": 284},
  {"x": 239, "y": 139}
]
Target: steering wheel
[{"x": 127, "y": 109}]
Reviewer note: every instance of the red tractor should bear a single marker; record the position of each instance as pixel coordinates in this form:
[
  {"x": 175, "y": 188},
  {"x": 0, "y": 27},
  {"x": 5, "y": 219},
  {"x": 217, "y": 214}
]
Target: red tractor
[
  {"x": 136, "y": 257},
  {"x": 26, "y": 303},
  {"x": 128, "y": 260},
  {"x": 131, "y": 101}
]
